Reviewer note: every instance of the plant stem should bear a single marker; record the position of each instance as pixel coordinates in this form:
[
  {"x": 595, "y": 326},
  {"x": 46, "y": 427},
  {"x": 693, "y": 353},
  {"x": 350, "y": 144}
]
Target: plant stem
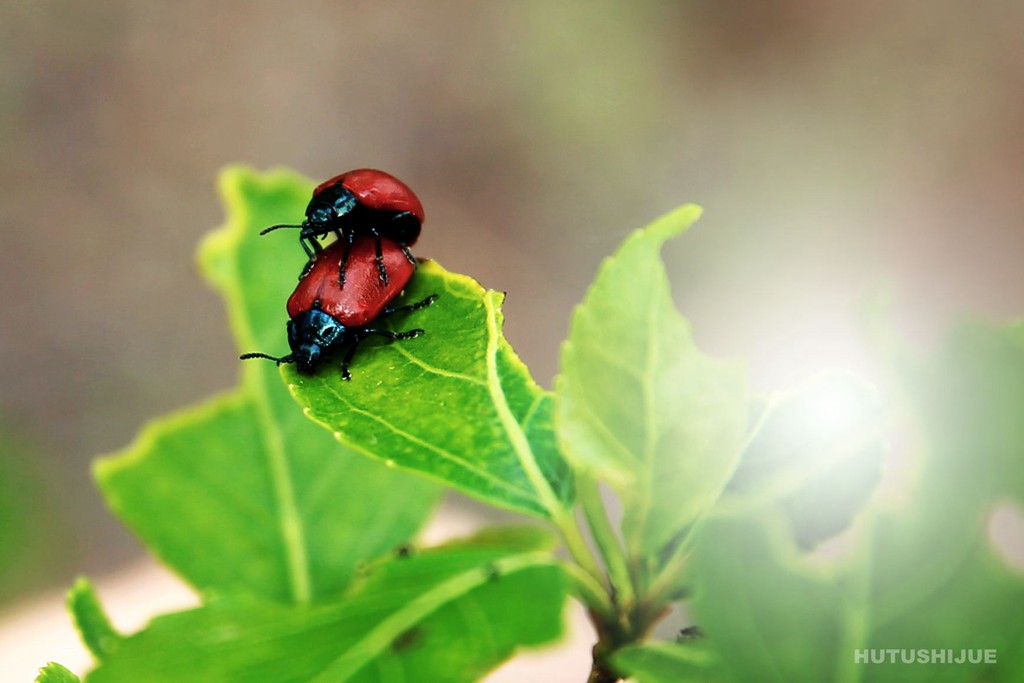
[
  {"x": 590, "y": 592},
  {"x": 607, "y": 542},
  {"x": 573, "y": 539},
  {"x": 657, "y": 592}
]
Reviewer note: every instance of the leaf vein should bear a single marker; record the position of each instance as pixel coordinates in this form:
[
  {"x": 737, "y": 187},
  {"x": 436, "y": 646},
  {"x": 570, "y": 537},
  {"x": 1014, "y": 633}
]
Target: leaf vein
[
  {"x": 531, "y": 411},
  {"x": 289, "y": 521},
  {"x": 439, "y": 371},
  {"x": 609, "y": 357},
  {"x": 483, "y": 474}
]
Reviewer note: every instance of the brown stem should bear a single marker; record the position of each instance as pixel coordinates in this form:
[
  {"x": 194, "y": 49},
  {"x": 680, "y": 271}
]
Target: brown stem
[
  {"x": 601, "y": 671},
  {"x": 635, "y": 625},
  {"x": 599, "y": 675},
  {"x": 611, "y": 635}
]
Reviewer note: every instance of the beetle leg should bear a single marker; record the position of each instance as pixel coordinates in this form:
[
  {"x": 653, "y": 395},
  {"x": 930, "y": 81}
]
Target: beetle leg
[
  {"x": 410, "y": 307},
  {"x": 310, "y": 245},
  {"x": 401, "y": 219},
  {"x": 310, "y": 251},
  {"x": 349, "y": 354},
  {"x": 349, "y": 239},
  {"x": 409, "y": 256},
  {"x": 359, "y": 335},
  {"x": 379, "y": 256},
  {"x": 393, "y": 336}
]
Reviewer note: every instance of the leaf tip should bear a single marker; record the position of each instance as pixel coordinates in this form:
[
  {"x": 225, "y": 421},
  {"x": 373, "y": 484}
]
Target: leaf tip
[
  {"x": 103, "y": 468},
  {"x": 243, "y": 190},
  {"x": 80, "y": 585},
  {"x": 90, "y": 619},
  {"x": 55, "y": 673},
  {"x": 675, "y": 222}
]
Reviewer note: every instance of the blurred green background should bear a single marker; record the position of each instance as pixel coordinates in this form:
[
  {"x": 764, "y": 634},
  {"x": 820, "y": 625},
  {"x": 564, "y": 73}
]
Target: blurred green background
[{"x": 835, "y": 146}]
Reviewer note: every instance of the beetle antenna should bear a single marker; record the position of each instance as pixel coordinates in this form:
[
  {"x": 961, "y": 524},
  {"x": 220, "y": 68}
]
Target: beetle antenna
[
  {"x": 284, "y": 359},
  {"x": 264, "y": 231}
]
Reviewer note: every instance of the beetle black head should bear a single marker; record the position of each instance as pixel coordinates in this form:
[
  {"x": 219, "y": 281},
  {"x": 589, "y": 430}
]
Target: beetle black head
[
  {"x": 307, "y": 356},
  {"x": 310, "y": 334},
  {"x": 328, "y": 206}
]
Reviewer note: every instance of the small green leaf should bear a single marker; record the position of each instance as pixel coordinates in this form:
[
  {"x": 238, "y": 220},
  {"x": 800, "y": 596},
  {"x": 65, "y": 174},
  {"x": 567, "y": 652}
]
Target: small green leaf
[
  {"x": 92, "y": 622},
  {"x": 55, "y": 673},
  {"x": 638, "y": 404},
  {"x": 660, "y": 662},
  {"x": 455, "y": 404},
  {"x": 444, "y": 615},
  {"x": 243, "y": 493}
]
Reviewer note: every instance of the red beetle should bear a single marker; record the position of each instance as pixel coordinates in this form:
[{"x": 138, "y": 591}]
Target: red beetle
[
  {"x": 361, "y": 202},
  {"x": 324, "y": 316}
]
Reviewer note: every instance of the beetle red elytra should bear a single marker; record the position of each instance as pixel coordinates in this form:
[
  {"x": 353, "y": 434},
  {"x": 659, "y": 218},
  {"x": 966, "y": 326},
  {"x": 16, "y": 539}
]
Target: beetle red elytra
[
  {"x": 326, "y": 317},
  {"x": 363, "y": 202}
]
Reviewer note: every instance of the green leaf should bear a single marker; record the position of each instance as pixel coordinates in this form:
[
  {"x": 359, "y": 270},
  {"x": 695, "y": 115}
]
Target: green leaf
[
  {"x": 660, "y": 662},
  {"x": 92, "y": 622},
  {"x": 444, "y": 615},
  {"x": 242, "y": 493},
  {"x": 55, "y": 673},
  {"x": 638, "y": 404},
  {"x": 455, "y": 404}
]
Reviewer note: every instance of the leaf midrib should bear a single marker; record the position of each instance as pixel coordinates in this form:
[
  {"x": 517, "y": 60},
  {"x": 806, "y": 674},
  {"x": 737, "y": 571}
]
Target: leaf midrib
[
  {"x": 380, "y": 637},
  {"x": 293, "y": 536},
  {"x": 517, "y": 438}
]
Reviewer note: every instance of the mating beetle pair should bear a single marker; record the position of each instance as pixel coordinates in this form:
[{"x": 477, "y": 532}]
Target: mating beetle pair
[
  {"x": 349, "y": 284},
  {"x": 360, "y": 202}
]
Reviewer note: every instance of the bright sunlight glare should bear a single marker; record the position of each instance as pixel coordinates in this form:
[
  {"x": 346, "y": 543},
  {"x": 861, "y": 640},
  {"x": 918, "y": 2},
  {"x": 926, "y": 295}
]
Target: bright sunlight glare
[{"x": 837, "y": 408}]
